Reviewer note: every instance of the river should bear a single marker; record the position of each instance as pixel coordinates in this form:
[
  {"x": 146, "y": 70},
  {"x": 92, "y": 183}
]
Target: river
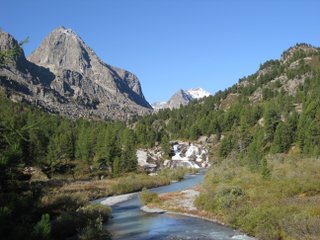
[{"x": 128, "y": 222}]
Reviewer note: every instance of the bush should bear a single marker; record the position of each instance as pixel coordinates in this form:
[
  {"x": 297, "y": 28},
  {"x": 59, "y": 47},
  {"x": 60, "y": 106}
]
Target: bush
[
  {"x": 63, "y": 202},
  {"x": 94, "y": 211},
  {"x": 94, "y": 231},
  {"x": 228, "y": 197},
  {"x": 263, "y": 222},
  {"x": 42, "y": 229},
  {"x": 148, "y": 197},
  {"x": 68, "y": 224},
  {"x": 302, "y": 227}
]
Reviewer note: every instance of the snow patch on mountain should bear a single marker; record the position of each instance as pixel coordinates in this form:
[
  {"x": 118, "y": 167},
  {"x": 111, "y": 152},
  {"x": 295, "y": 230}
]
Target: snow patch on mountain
[{"x": 197, "y": 93}]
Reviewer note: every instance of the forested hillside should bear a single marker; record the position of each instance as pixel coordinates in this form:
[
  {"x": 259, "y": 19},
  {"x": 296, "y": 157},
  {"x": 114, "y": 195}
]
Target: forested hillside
[{"x": 272, "y": 111}]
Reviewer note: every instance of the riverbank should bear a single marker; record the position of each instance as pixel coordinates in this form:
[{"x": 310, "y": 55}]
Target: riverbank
[
  {"x": 70, "y": 203},
  {"x": 164, "y": 177},
  {"x": 181, "y": 203},
  {"x": 113, "y": 200},
  {"x": 62, "y": 199},
  {"x": 128, "y": 222}
]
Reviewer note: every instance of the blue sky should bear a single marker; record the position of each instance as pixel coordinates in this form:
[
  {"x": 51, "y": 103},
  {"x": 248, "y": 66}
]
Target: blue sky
[{"x": 173, "y": 44}]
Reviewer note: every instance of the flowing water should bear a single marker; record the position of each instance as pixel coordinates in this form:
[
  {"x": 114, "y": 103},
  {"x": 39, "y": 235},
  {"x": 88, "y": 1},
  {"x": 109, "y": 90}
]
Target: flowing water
[{"x": 129, "y": 222}]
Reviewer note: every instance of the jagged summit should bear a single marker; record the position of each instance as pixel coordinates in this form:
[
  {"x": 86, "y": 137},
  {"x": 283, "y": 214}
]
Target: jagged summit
[
  {"x": 181, "y": 97},
  {"x": 63, "y": 48},
  {"x": 73, "y": 81},
  {"x": 297, "y": 51}
]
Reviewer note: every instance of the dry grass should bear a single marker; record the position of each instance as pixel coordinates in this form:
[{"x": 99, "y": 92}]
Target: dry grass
[
  {"x": 69, "y": 196},
  {"x": 285, "y": 206}
]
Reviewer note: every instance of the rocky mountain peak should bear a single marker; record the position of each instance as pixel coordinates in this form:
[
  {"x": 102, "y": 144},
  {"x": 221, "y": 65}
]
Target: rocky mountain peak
[
  {"x": 63, "y": 48},
  {"x": 181, "y": 97},
  {"x": 297, "y": 52},
  {"x": 64, "y": 76}
]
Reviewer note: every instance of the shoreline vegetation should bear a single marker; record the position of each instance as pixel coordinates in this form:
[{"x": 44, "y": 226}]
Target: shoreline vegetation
[
  {"x": 83, "y": 206},
  {"x": 283, "y": 205}
]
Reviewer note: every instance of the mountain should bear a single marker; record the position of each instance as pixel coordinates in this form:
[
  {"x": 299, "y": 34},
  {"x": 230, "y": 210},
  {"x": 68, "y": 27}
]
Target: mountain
[
  {"x": 64, "y": 76},
  {"x": 181, "y": 97},
  {"x": 197, "y": 93}
]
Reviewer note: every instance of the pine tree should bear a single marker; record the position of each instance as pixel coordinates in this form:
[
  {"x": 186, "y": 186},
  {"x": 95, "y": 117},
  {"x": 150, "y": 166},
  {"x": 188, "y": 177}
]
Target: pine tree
[
  {"x": 282, "y": 138},
  {"x": 271, "y": 120},
  {"x": 256, "y": 151},
  {"x": 116, "y": 167},
  {"x": 165, "y": 146},
  {"x": 85, "y": 142},
  {"x": 129, "y": 161}
]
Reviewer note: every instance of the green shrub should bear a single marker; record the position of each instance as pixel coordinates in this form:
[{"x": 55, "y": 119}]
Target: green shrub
[
  {"x": 83, "y": 220},
  {"x": 228, "y": 197},
  {"x": 94, "y": 231},
  {"x": 94, "y": 211},
  {"x": 42, "y": 229},
  {"x": 147, "y": 197},
  {"x": 263, "y": 222}
]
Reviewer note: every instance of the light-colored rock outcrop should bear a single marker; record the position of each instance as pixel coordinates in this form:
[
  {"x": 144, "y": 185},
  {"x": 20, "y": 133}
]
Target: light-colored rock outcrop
[{"x": 183, "y": 154}]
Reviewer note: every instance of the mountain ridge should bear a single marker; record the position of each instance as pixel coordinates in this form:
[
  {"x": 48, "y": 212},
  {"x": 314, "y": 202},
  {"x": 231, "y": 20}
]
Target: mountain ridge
[{"x": 79, "y": 82}]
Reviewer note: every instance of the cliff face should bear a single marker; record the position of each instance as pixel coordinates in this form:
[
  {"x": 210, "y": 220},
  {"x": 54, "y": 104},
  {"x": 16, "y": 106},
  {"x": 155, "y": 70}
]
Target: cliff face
[{"x": 63, "y": 75}]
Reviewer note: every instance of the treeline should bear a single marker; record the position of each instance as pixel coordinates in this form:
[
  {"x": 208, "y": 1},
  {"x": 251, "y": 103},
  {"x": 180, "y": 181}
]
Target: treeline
[{"x": 61, "y": 146}]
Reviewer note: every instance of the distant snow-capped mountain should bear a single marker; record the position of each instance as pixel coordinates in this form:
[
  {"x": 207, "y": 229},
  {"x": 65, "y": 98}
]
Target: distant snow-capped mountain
[
  {"x": 181, "y": 97},
  {"x": 197, "y": 93}
]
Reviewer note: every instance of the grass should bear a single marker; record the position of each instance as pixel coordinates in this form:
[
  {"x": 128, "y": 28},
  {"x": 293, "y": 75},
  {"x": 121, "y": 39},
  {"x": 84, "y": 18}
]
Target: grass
[
  {"x": 148, "y": 197},
  {"x": 286, "y": 205}
]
